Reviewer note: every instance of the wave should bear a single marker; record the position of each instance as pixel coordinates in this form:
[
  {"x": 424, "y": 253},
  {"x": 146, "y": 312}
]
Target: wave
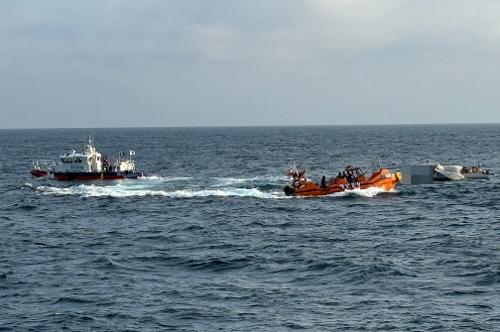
[
  {"x": 73, "y": 300},
  {"x": 360, "y": 273},
  {"x": 218, "y": 265}
]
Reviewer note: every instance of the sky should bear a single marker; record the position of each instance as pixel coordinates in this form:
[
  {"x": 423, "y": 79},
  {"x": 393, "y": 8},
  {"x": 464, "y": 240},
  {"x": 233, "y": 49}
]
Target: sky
[{"x": 167, "y": 63}]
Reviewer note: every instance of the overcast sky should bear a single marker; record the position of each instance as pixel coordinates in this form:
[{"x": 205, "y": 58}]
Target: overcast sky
[{"x": 119, "y": 63}]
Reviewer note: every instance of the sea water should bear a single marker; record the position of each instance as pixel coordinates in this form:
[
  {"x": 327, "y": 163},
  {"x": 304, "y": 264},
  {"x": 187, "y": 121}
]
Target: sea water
[{"x": 208, "y": 241}]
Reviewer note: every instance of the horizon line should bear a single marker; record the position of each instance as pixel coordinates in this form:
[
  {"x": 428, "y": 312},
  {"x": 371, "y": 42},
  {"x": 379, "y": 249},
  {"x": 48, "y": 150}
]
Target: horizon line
[{"x": 261, "y": 126}]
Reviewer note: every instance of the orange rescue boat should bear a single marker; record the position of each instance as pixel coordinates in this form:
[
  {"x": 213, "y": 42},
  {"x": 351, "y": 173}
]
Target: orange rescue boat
[{"x": 350, "y": 178}]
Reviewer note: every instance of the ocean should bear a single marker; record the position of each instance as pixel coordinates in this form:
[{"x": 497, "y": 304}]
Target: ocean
[{"x": 207, "y": 241}]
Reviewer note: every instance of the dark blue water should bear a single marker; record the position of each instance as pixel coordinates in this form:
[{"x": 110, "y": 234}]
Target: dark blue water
[{"x": 208, "y": 242}]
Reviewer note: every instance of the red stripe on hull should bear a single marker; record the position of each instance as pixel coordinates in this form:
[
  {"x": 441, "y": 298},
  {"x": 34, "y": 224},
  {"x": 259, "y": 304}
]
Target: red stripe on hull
[
  {"x": 113, "y": 177},
  {"x": 38, "y": 173},
  {"x": 94, "y": 176}
]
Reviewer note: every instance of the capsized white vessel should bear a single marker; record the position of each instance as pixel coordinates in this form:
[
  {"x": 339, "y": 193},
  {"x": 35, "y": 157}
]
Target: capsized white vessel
[
  {"x": 448, "y": 173},
  {"x": 457, "y": 173}
]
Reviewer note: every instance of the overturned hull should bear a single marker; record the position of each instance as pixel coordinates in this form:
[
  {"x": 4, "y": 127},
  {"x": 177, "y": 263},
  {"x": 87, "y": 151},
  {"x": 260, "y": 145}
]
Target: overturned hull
[
  {"x": 448, "y": 173},
  {"x": 477, "y": 175},
  {"x": 435, "y": 172}
]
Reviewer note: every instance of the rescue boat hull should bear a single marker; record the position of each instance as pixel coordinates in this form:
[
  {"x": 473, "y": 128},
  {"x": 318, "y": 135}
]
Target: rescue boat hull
[{"x": 382, "y": 179}]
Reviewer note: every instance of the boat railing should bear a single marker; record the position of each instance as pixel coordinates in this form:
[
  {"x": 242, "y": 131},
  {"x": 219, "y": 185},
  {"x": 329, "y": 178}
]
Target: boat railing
[{"x": 43, "y": 164}]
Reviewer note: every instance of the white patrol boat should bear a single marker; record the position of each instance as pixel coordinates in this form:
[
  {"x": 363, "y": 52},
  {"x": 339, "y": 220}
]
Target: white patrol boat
[{"x": 89, "y": 165}]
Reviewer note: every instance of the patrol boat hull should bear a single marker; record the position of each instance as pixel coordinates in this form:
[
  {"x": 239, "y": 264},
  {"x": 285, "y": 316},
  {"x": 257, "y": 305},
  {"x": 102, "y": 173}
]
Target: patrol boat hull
[
  {"x": 96, "y": 176},
  {"x": 89, "y": 165}
]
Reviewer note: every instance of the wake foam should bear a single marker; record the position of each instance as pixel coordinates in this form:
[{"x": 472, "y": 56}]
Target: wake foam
[
  {"x": 173, "y": 187},
  {"x": 368, "y": 192},
  {"x": 164, "y": 178},
  {"x": 239, "y": 192},
  {"x": 127, "y": 191},
  {"x": 229, "y": 181}
]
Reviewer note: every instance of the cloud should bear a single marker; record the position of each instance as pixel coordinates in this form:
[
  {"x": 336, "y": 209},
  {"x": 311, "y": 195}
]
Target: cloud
[
  {"x": 234, "y": 62},
  {"x": 214, "y": 42},
  {"x": 372, "y": 24}
]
